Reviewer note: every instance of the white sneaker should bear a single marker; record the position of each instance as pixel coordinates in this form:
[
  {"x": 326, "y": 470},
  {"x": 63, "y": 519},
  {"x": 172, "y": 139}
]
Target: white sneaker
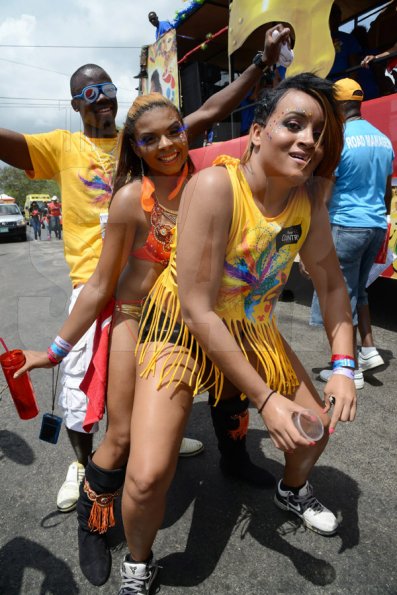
[
  {"x": 69, "y": 492},
  {"x": 190, "y": 447},
  {"x": 325, "y": 375},
  {"x": 313, "y": 514},
  {"x": 137, "y": 578},
  {"x": 370, "y": 360}
]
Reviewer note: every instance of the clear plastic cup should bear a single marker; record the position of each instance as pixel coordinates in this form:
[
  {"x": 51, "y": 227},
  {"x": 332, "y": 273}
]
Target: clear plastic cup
[{"x": 309, "y": 425}]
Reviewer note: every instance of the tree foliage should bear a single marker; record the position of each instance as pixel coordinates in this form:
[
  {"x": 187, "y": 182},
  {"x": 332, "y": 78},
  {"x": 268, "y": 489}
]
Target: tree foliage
[{"x": 15, "y": 183}]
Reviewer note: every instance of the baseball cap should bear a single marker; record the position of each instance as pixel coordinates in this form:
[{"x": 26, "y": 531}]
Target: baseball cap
[{"x": 348, "y": 90}]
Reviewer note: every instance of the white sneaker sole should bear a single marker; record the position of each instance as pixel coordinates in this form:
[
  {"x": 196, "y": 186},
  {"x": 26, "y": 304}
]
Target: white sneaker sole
[
  {"x": 186, "y": 451},
  {"x": 302, "y": 518},
  {"x": 374, "y": 362},
  {"x": 69, "y": 508},
  {"x": 359, "y": 383}
]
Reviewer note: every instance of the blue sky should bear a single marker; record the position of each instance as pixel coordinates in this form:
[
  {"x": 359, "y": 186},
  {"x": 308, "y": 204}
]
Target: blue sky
[{"x": 34, "y": 82}]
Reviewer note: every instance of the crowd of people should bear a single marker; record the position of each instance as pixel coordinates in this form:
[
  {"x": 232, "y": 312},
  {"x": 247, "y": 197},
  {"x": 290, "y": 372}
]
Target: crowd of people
[
  {"x": 175, "y": 286},
  {"x": 48, "y": 218}
]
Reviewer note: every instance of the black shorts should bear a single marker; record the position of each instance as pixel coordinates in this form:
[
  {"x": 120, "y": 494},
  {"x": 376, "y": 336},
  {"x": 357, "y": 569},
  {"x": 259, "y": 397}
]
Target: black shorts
[{"x": 144, "y": 330}]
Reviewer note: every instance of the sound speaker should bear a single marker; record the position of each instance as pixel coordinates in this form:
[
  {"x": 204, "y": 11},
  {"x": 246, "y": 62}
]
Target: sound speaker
[{"x": 197, "y": 83}]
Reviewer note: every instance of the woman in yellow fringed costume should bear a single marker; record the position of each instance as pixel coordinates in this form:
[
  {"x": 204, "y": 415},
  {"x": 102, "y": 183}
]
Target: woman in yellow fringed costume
[{"x": 239, "y": 229}]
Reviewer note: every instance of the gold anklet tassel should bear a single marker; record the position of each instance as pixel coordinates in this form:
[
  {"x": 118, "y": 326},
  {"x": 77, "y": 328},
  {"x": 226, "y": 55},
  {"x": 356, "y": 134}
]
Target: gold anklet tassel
[{"x": 102, "y": 511}]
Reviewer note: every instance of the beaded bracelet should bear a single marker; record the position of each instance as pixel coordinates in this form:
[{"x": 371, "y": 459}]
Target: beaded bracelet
[
  {"x": 344, "y": 372},
  {"x": 261, "y": 408}
]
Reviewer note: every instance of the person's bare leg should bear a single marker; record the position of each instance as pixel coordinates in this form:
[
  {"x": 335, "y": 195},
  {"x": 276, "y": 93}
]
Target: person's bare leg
[
  {"x": 294, "y": 493},
  {"x": 299, "y": 464},
  {"x": 113, "y": 451},
  {"x": 158, "y": 420}
]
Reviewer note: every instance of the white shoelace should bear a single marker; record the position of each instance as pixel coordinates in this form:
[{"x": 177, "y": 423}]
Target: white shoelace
[{"x": 134, "y": 584}]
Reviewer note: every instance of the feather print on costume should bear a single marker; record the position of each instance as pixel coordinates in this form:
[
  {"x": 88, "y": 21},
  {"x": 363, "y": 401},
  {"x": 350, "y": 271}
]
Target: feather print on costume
[{"x": 257, "y": 278}]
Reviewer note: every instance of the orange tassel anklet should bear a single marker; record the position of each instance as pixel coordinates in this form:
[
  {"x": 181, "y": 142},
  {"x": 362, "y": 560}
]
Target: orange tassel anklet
[{"x": 102, "y": 511}]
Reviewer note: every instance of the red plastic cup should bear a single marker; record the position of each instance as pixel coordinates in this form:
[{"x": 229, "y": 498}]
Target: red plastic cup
[{"x": 21, "y": 388}]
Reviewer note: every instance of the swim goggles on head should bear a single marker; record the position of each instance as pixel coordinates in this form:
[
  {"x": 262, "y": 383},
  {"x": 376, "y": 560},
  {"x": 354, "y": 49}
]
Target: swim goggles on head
[{"x": 90, "y": 93}]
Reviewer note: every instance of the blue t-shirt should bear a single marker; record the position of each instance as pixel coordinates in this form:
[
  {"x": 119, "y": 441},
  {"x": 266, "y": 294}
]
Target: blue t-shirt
[
  {"x": 163, "y": 27},
  {"x": 358, "y": 199}
]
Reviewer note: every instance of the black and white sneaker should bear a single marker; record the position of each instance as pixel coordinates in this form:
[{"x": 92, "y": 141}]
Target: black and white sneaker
[
  {"x": 313, "y": 514},
  {"x": 137, "y": 578}
]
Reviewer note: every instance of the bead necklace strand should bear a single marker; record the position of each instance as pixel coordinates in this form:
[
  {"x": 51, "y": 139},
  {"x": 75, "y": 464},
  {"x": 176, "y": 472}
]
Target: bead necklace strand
[{"x": 163, "y": 232}]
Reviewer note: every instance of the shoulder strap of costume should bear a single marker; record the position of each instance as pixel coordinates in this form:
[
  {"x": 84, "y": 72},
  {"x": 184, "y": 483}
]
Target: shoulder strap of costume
[{"x": 226, "y": 160}]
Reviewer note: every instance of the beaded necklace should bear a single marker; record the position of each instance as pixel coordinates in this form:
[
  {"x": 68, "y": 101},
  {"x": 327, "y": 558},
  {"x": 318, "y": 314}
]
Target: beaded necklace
[{"x": 163, "y": 232}]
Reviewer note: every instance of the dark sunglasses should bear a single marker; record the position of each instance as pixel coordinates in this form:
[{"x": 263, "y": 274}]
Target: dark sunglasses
[{"x": 91, "y": 93}]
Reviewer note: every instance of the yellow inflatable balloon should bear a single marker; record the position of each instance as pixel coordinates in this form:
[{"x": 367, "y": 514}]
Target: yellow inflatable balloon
[{"x": 314, "y": 50}]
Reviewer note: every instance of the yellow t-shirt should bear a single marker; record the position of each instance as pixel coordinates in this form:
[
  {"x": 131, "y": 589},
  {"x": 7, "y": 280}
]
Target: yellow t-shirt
[
  {"x": 83, "y": 169},
  {"x": 258, "y": 259}
]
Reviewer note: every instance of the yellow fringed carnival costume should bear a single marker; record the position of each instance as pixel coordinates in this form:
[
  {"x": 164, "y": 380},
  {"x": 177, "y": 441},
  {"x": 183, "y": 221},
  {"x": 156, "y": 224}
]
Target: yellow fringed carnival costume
[{"x": 259, "y": 255}]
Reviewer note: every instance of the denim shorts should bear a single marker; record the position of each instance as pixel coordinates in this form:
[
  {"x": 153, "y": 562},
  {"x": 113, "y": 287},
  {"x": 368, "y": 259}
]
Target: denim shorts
[{"x": 356, "y": 248}]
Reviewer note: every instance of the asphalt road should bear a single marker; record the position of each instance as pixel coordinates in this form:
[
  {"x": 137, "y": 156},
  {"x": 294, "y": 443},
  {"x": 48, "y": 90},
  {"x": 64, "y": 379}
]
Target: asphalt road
[{"x": 218, "y": 536}]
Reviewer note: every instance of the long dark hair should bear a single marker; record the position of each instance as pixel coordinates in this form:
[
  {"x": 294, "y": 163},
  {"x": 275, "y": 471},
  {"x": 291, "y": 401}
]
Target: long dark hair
[
  {"x": 130, "y": 166},
  {"x": 322, "y": 90}
]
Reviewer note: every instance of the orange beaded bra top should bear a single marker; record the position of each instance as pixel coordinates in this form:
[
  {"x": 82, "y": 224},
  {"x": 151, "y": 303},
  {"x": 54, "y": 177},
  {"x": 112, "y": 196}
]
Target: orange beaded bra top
[{"x": 157, "y": 247}]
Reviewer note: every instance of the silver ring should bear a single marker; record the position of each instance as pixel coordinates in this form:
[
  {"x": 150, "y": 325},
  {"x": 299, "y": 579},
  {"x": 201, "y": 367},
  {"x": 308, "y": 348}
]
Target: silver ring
[{"x": 332, "y": 399}]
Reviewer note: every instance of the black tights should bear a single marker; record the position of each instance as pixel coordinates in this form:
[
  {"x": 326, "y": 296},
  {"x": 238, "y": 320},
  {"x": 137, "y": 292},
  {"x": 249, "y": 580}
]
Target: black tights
[{"x": 81, "y": 444}]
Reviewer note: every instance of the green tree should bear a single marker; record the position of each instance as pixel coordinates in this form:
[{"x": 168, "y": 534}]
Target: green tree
[{"x": 15, "y": 183}]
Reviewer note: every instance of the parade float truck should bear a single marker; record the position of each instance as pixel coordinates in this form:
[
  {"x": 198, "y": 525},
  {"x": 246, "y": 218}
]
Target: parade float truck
[{"x": 212, "y": 41}]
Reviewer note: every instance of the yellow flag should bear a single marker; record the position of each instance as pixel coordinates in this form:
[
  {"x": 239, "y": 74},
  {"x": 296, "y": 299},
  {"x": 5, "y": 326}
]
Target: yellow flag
[{"x": 314, "y": 50}]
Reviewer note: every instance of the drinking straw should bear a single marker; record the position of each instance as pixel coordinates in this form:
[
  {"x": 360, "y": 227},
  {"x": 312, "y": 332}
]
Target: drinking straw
[{"x": 4, "y": 345}]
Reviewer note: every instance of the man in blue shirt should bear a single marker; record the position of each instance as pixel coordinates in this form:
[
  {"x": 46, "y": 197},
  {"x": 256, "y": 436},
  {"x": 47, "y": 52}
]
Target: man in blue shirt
[
  {"x": 347, "y": 48},
  {"x": 161, "y": 26},
  {"x": 358, "y": 210}
]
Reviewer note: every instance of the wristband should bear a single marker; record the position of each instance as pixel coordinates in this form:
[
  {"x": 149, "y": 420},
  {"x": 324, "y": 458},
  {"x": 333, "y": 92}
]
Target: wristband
[
  {"x": 261, "y": 408},
  {"x": 63, "y": 344},
  {"x": 259, "y": 63},
  {"x": 338, "y": 356},
  {"x": 344, "y": 372},
  {"x": 51, "y": 357},
  {"x": 344, "y": 363},
  {"x": 57, "y": 351}
]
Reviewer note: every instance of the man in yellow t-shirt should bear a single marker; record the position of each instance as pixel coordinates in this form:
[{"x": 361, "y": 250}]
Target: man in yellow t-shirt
[{"x": 82, "y": 163}]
